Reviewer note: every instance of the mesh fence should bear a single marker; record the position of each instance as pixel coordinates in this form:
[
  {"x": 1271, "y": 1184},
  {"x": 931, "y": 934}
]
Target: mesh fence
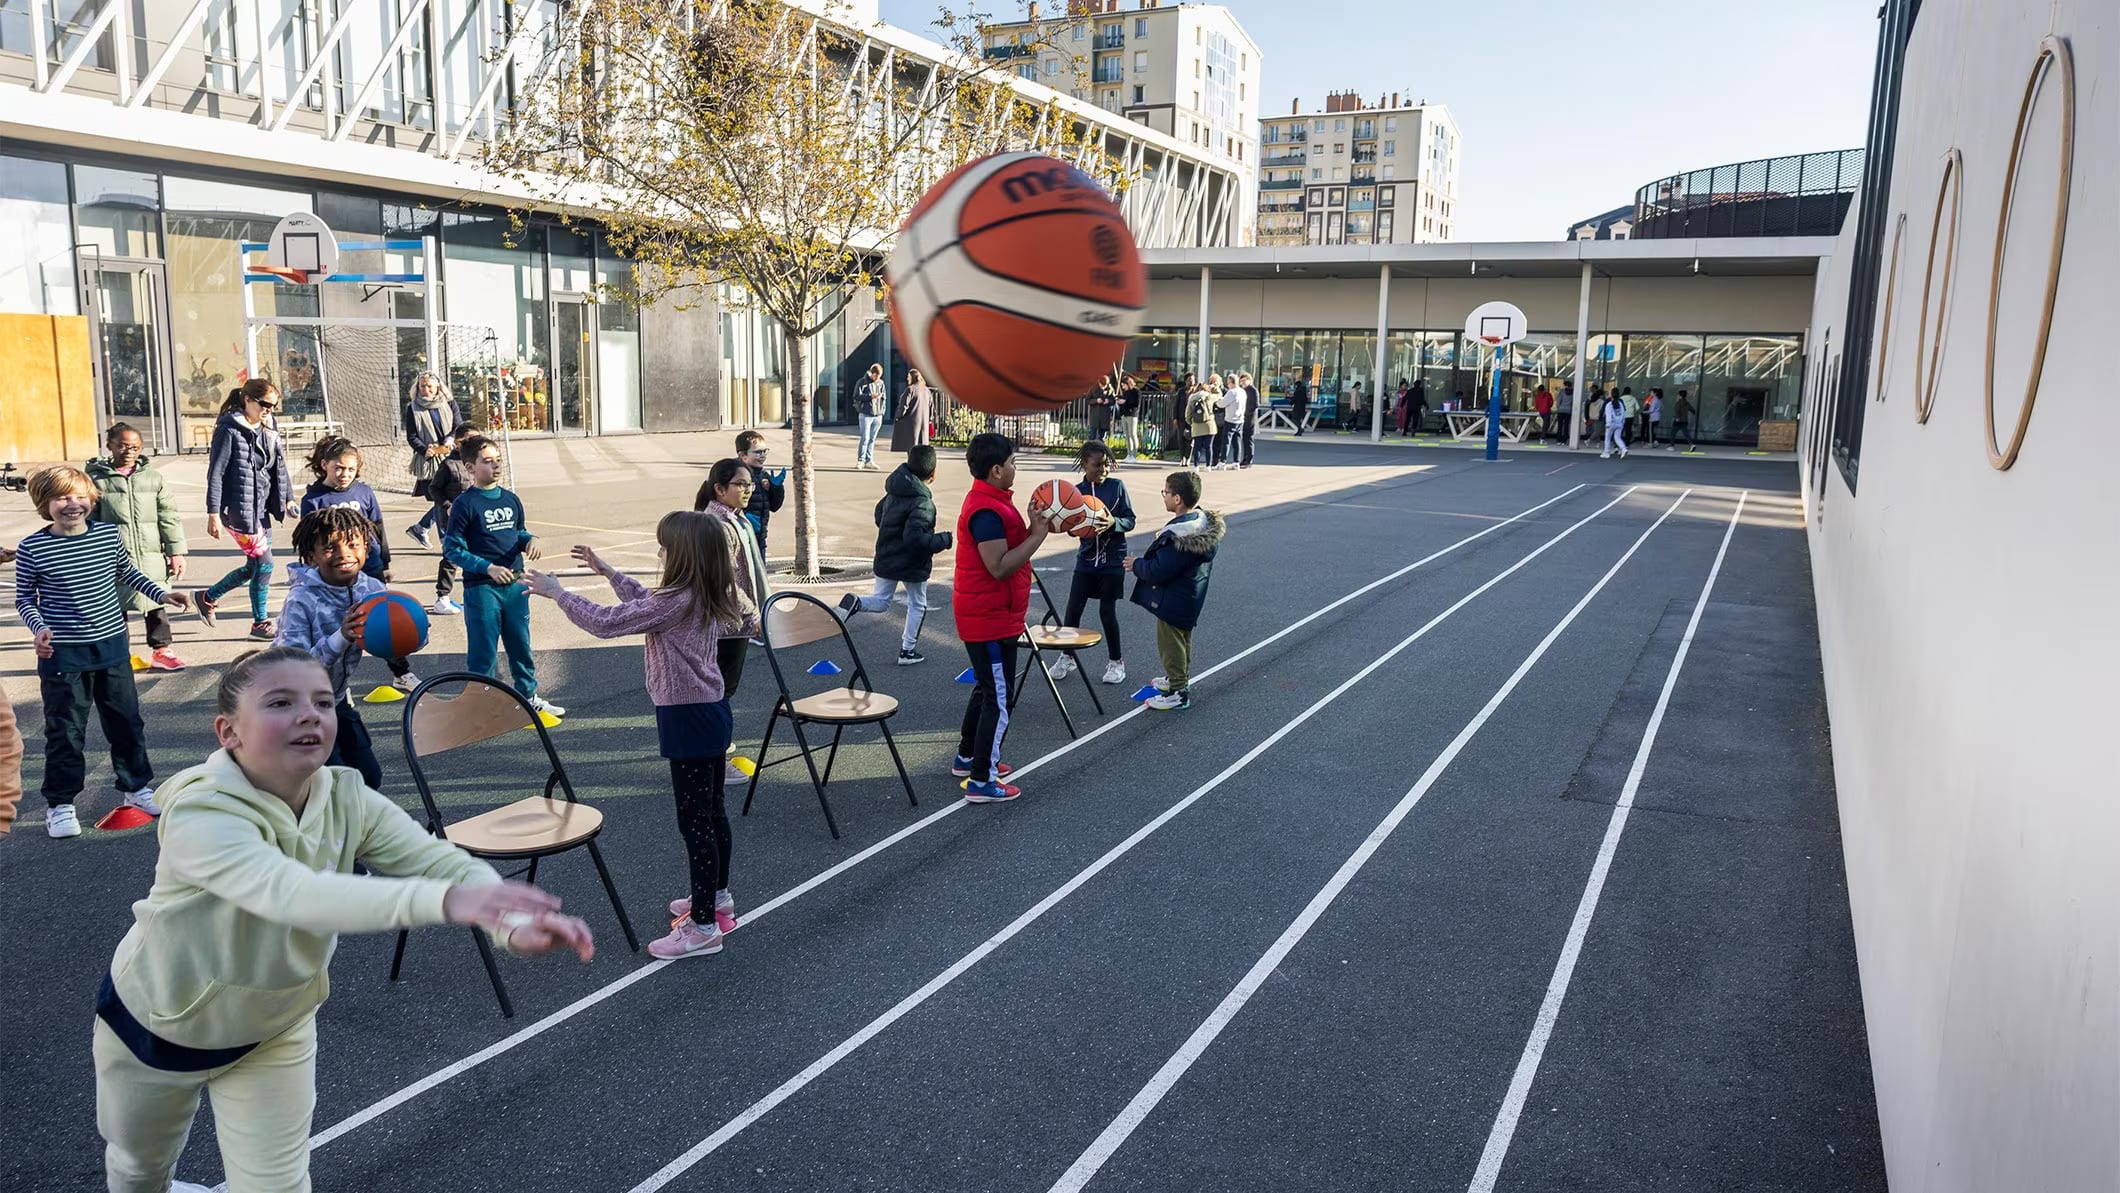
[{"x": 1061, "y": 431}]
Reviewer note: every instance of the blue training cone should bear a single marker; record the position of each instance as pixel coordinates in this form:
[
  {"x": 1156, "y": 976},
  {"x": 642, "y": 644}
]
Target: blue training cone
[
  {"x": 966, "y": 676},
  {"x": 1147, "y": 691},
  {"x": 824, "y": 667}
]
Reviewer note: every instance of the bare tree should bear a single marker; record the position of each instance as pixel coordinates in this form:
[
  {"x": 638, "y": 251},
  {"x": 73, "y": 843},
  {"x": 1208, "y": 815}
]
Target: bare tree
[{"x": 767, "y": 145}]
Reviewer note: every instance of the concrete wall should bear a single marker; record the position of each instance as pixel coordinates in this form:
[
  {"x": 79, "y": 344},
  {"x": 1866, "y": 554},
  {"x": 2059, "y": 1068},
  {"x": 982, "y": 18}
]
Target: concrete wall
[
  {"x": 1736, "y": 304},
  {"x": 1970, "y": 622}
]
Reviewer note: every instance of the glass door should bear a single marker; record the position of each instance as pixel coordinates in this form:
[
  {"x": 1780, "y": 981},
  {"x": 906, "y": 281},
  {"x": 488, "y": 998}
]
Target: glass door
[
  {"x": 127, "y": 302},
  {"x": 573, "y": 367}
]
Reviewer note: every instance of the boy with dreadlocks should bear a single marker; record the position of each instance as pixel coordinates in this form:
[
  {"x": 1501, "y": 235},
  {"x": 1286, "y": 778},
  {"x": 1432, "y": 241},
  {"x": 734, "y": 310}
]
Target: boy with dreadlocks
[{"x": 320, "y": 617}]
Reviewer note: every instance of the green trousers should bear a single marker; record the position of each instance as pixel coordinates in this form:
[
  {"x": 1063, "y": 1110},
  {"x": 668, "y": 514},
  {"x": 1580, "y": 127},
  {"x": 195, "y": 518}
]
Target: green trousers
[{"x": 1174, "y": 647}]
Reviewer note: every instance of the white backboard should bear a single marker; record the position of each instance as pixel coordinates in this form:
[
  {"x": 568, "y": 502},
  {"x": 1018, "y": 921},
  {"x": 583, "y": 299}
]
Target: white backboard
[
  {"x": 302, "y": 241},
  {"x": 1500, "y": 322}
]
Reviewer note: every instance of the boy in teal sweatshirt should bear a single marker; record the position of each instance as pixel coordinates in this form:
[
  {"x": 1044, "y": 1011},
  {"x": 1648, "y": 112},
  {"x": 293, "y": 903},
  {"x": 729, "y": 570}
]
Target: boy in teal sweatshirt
[{"x": 488, "y": 538}]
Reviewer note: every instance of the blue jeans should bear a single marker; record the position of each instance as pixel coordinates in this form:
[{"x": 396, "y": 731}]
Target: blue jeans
[
  {"x": 495, "y": 615},
  {"x": 865, "y": 452}
]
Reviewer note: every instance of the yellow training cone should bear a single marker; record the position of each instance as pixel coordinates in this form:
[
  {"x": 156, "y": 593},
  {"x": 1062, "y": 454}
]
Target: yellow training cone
[
  {"x": 743, "y": 764},
  {"x": 383, "y": 694},
  {"x": 139, "y": 664}
]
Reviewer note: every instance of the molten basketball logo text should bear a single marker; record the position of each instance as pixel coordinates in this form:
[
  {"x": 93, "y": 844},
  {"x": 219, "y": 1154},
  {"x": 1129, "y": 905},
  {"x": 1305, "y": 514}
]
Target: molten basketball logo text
[
  {"x": 1029, "y": 184},
  {"x": 1099, "y": 318}
]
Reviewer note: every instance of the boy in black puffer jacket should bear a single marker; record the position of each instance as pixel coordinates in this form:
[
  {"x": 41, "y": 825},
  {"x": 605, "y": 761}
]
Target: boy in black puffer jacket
[
  {"x": 906, "y": 546},
  {"x": 1170, "y": 581}
]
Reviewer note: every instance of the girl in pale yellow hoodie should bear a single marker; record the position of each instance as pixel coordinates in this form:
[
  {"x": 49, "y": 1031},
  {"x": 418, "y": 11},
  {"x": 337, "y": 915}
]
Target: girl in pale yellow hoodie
[{"x": 217, "y": 985}]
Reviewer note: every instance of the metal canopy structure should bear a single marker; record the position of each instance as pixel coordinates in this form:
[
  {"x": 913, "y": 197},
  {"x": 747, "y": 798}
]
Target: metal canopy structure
[{"x": 1788, "y": 256}]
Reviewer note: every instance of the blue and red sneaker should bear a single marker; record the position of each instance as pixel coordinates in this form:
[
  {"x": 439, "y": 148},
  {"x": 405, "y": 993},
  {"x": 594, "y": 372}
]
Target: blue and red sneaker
[
  {"x": 961, "y": 767},
  {"x": 990, "y": 792}
]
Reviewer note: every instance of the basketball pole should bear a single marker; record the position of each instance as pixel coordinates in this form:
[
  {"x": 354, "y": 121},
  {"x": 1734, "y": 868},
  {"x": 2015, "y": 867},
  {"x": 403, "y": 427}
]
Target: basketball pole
[{"x": 1494, "y": 407}]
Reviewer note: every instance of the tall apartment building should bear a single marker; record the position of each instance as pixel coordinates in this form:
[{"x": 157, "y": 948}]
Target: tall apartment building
[
  {"x": 1358, "y": 173},
  {"x": 1189, "y": 70}
]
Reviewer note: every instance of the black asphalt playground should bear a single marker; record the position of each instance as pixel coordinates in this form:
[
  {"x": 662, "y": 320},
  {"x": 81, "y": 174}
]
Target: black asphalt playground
[{"x": 1403, "y": 902}]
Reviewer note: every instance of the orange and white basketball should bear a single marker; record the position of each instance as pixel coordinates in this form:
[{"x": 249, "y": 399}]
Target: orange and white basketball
[
  {"x": 1095, "y": 506},
  {"x": 1016, "y": 284},
  {"x": 1063, "y": 500}
]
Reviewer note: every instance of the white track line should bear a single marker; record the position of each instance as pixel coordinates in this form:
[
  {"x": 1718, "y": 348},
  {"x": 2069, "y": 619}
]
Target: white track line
[
  {"x": 906, "y": 1005},
  {"x": 458, "y": 1068},
  {"x": 1549, "y": 1011},
  {"x": 1115, "y": 1134}
]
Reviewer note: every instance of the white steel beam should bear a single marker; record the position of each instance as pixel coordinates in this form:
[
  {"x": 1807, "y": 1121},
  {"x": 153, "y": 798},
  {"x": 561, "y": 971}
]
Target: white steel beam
[
  {"x": 413, "y": 17},
  {"x": 96, "y": 28},
  {"x": 316, "y": 67},
  {"x": 169, "y": 55}
]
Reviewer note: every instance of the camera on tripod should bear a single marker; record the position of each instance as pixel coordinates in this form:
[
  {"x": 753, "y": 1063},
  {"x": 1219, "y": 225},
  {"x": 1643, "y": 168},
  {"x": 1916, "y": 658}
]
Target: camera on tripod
[{"x": 10, "y": 479}]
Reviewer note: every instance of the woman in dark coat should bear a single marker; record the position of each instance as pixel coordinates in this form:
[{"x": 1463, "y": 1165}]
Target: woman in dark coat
[
  {"x": 247, "y": 489},
  {"x": 1299, "y": 400},
  {"x": 916, "y": 409}
]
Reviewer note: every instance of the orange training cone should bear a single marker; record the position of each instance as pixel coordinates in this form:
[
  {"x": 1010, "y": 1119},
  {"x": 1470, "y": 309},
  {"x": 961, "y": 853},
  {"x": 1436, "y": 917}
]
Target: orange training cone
[{"x": 123, "y": 817}]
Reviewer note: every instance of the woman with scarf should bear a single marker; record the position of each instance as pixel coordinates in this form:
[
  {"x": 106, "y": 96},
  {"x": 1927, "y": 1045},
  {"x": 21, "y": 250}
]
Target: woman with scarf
[
  {"x": 432, "y": 422},
  {"x": 915, "y": 411}
]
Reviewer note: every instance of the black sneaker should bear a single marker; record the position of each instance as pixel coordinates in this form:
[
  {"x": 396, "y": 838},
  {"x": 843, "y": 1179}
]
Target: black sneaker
[
  {"x": 907, "y": 658},
  {"x": 204, "y": 606},
  {"x": 850, "y": 604}
]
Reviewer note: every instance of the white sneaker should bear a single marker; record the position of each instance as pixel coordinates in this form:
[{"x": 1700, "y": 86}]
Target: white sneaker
[
  {"x": 1062, "y": 667},
  {"x": 406, "y": 682},
  {"x": 144, "y": 799},
  {"x": 734, "y": 774},
  {"x": 188, "y": 1187},
  {"x": 443, "y": 607},
  {"x": 547, "y": 707},
  {"x": 1605, "y": 455},
  {"x": 62, "y": 821},
  {"x": 1161, "y": 683},
  {"x": 1115, "y": 671}
]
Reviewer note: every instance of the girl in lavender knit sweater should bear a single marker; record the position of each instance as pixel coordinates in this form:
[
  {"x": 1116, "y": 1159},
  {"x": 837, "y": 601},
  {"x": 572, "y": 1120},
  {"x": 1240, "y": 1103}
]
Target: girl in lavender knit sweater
[{"x": 697, "y": 603}]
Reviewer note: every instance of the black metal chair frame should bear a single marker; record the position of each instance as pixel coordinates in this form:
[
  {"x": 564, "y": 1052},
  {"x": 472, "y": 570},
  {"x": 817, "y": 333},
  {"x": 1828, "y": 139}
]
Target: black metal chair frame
[
  {"x": 437, "y": 825},
  {"x": 1036, "y": 663},
  {"x": 784, "y": 706}
]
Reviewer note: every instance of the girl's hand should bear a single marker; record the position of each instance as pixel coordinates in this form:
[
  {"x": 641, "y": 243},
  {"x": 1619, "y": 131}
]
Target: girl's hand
[
  {"x": 588, "y": 558},
  {"x": 181, "y": 600},
  {"x": 213, "y": 525},
  {"x": 544, "y": 584},
  {"x": 175, "y": 563},
  {"x": 294, "y": 510},
  {"x": 7, "y": 555},
  {"x": 487, "y": 904},
  {"x": 546, "y": 932},
  {"x": 44, "y": 644},
  {"x": 500, "y": 575},
  {"x": 533, "y": 552}
]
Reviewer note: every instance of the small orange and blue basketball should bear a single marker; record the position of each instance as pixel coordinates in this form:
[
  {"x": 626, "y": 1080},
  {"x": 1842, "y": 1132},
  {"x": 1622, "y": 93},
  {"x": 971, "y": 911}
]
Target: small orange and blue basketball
[{"x": 392, "y": 625}]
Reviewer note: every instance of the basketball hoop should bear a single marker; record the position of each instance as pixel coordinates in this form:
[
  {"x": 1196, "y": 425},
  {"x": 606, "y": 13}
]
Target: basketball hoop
[
  {"x": 1495, "y": 324},
  {"x": 299, "y": 277}
]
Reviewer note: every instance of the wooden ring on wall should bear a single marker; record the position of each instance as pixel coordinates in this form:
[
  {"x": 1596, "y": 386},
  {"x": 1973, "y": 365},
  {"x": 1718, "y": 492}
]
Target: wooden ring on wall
[
  {"x": 2053, "y": 55},
  {"x": 1953, "y": 184},
  {"x": 1891, "y": 291}
]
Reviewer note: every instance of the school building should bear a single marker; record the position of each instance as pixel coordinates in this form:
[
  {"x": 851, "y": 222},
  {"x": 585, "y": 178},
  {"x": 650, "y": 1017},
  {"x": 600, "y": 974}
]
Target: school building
[{"x": 1725, "y": 320}]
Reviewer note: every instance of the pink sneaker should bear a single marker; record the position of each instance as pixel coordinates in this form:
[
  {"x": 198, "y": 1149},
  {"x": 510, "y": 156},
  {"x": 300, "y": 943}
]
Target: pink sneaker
[
  {"x": 687, "y": 940},
  {"x": 165, "y": 660},
  {"x": 724, "y": 911}
]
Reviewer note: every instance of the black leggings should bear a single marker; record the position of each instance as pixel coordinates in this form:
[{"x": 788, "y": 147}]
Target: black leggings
[
  {"x": 1104, "y": 588},
  {"x": 703, "y": 821}
]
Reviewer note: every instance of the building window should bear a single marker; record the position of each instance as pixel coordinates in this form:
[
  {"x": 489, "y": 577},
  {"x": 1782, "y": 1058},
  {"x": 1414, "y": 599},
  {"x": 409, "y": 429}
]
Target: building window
[
  {"x": 1052, "y": 67},
  {"x": 1384, "y": 194},
  {"x": 1391, "y": 124},
  {"x": 1387, "y": 172},
  {"x": 1340, "y": 125},
  {"x": 1140, "y": 26},
  {"x": 1139, "y": 91},
  {"x": 1339, "y": 147},
  {"x": 1338, "y": 197},
  {"x": 1140, "y": 61},
  {"x": 1317, "y": 126},
  {"x": 1027, "y": 72},
  {"x": 1391, "y": 149},
  {"x": 1316, "y": 173},
  {"x": 1384, "y": 226},
  {"x": 1196, "y": 68},
  {"x": 1339, "y": 173},
  {"x": 1078, "y": 31},
  {"x": 1196, "y": 101},
  {"x": 1196, "y": 35}
]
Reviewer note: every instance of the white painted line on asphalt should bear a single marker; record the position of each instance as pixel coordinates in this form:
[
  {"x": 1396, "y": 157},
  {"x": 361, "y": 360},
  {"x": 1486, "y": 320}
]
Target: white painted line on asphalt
[
  {"x": 1549, "y": 1011},
  {"x": 906, "y": 1005},
  {"x": 457, "y": 1068},
  {"x": 1136, "y": 1112}
]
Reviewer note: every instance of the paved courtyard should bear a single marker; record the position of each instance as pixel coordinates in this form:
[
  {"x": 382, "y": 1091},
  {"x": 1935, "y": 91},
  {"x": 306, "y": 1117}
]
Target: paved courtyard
[{"x": 1498, "y": 851}]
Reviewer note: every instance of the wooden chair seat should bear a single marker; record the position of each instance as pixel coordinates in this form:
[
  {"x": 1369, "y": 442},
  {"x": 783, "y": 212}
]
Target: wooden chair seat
[
  {"x": 533, "y": 825},
  {"x": 1066, "y": 638},
  {"x": 846, "y": 706}
]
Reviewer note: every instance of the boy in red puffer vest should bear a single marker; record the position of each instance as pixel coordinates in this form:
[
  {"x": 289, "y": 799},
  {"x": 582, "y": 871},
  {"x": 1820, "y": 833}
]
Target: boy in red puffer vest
[{"x": 992, "y": 594}]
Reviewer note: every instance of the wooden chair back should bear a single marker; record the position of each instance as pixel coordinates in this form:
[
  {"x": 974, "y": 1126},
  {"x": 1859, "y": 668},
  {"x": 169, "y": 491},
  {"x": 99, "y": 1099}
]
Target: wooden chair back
[
  {"x": 793, "y": 618},
  {"x": 482, "y": 709}
]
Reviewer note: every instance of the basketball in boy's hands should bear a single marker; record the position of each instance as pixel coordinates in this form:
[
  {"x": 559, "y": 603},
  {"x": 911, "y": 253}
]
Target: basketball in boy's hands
[
  {"x": 392, "y": 625},
  {"x": 1062, "y": 505},
  {"x": 1015, "y": 284},
  {"x": 1093, "y": 524}
]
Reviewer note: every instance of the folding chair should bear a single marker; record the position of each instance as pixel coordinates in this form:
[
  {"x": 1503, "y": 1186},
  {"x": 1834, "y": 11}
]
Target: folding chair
[
  {"x": 1050, "y": 635},
  {"x": 530, "y": 829},
  {"x": 796, "y": 619}
]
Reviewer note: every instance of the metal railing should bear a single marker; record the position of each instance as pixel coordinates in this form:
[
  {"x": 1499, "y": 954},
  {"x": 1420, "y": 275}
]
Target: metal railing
[
  {"x": 1011, "y": 51},
  {"x": 1800, "y": 195},
  {"x": 1061, "y": 431},
  {"x": 1111, "y": 41},
  {"x": 1280, "y": 184}
]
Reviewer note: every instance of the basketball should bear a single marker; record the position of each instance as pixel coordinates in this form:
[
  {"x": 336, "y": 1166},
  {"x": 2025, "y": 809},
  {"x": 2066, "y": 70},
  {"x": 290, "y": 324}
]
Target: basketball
[
  {"x": 392, "y": 625},
  {"x": 1016, "y": 284},
  {"x": 1063, "y": 499},
  {"x": 1088, "y": 529}
]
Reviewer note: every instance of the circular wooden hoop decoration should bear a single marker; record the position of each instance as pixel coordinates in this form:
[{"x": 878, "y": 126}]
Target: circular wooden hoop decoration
[
  {"x": 1891, "y": 291},
  {"x": 2053, "y": 54},
  {"x": 1953, "y": 184}
]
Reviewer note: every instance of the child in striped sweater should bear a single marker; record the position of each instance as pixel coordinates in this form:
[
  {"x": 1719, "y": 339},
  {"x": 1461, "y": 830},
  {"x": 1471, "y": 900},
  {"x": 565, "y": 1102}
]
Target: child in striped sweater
[
  {"x": 697, "y": 603},
  {"x": 68, "y": 577}
]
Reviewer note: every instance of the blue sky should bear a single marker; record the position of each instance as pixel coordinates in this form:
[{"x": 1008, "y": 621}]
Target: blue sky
[{"x": 1566, "y": 108}]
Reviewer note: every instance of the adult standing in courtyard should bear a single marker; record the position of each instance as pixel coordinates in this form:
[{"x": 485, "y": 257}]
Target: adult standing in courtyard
[
  {"x": 1101, "y": 401},
  {"x": 1542, "y": 403},
  {"x": 1250, "y": 428},
  {"x": 869, "y": 397},
  {"x": 1299, "y": 402},
  {"x": 1128, "y": 410},
  {"x": 916, "y": 411}
]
